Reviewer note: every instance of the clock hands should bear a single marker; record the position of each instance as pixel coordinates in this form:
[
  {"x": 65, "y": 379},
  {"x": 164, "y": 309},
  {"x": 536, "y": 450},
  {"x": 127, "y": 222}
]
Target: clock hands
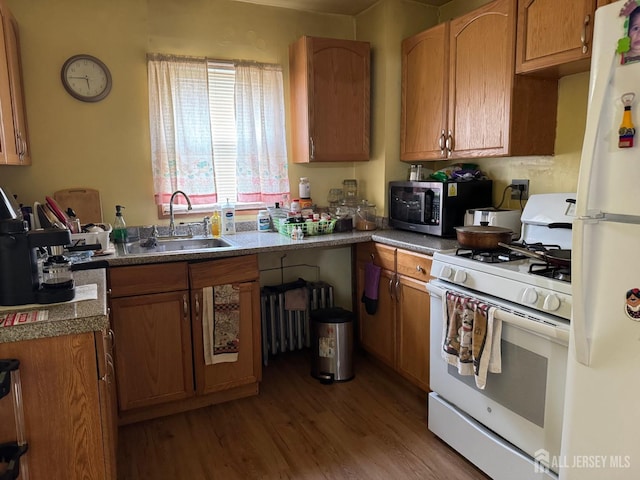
[{"x": 84, "y": 77}]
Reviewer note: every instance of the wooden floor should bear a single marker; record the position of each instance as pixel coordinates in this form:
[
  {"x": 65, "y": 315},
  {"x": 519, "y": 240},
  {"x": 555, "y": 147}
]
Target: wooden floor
[{"x": 372, "y": 427}]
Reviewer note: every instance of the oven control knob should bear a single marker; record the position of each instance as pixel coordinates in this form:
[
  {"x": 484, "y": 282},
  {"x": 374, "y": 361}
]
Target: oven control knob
[
  {"x": 551, "y": 303},
  {"x": 460, "y": 276},
  {"x": 529, "y": 296},
  {"x": 446, "y": 272}
]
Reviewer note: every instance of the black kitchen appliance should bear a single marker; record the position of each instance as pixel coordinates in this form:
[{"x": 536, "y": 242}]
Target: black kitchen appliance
[
  {"x": 435, "y": 208},
  {"x": 19, "y": 277}
]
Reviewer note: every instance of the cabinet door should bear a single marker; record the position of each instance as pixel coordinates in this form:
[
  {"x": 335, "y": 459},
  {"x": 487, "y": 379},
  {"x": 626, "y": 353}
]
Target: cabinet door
[
  {"x": 330, "y": 100},
  {"x": 424, "y": 94},
  {"x": 481, "y": 70},
  {"x": 153, "y": 353},
  {"x": 17, "y": 142},
  {"x": 244, "y": 370},
  {"x": 413, "y": 331},
  {"x": 242, "y": 273},
  {"x": 377, "y": 332},
  {"x": 554, "y": 34},
  {"x": 108, "y": 400},
  {"x": 59, "y": 377}
]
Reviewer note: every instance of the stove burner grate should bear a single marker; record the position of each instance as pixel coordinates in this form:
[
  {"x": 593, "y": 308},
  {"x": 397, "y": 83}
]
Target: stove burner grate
[
  {"x": 490, "y": 256},
  {"x": 550, "y": 271}
]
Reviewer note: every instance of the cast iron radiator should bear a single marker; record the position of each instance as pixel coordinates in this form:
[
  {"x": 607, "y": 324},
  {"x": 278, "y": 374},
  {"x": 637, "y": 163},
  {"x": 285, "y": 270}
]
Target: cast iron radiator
[{"x": 287, "y": 330}]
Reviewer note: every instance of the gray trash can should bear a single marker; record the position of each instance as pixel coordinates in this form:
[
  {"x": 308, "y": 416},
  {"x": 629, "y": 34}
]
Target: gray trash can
[{"x": 332, "y": 344}]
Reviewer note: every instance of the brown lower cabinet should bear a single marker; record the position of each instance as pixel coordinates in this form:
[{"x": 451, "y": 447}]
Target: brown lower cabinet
[
  {"x": 69, "y": 406},
  {"x": 398, "y": 333},
  {"x": 157, "y": 317}
]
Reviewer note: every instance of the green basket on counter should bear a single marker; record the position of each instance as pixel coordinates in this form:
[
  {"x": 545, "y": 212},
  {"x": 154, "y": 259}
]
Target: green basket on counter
[{"x": 321, "y": 227}]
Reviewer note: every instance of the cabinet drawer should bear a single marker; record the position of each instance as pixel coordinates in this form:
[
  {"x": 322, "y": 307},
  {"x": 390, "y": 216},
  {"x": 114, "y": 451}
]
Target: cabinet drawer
[
  {"x": 143, "y": 279},
  {"x": 382, "y": 255},
  {"x": 226, "y": 270},
  {"x": 414, "y": 265}
]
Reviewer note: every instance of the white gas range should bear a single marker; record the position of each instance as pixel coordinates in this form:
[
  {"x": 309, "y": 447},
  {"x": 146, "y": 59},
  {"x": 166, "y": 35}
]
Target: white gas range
[{"x": 511, "y": 426}]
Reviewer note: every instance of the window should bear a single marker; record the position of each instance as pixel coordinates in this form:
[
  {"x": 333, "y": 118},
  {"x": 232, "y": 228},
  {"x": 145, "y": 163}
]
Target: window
[{"x": 217, "y": 131}]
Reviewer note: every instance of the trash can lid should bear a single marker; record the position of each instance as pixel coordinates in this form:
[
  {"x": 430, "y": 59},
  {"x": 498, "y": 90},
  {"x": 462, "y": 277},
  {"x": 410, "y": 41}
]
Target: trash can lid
[{"x": 331, "y": 315}]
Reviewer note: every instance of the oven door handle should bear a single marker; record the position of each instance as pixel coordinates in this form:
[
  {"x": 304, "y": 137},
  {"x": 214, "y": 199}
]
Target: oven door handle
[{"x": 532, "y": 325}]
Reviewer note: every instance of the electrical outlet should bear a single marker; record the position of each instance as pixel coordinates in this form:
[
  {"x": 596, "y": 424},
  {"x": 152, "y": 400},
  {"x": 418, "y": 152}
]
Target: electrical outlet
[{"x": 519, "y": 186}]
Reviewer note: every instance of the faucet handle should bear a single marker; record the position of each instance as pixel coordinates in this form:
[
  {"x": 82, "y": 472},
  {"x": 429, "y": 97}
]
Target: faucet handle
[
  {"x": 154, "y": 231},
  {"x": 206, "y": 225}
]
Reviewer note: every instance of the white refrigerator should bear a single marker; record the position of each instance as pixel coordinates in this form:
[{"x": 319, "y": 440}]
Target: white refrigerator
[{"x": 601, "y": 426}]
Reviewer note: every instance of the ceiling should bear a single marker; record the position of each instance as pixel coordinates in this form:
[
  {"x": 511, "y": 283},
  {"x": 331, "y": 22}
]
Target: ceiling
[{"x": 343, "y": 7}]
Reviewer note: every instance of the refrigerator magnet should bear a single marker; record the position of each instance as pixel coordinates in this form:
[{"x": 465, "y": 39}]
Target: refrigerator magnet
[
  {"x": 626, "y": 130},
  {"x": 632, "y": 306},
  {"x": 629, "y": 44}
]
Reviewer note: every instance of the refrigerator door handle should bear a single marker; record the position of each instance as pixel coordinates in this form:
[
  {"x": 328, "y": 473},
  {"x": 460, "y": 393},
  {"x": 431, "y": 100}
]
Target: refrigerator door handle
[
  {"x": 580, "y": 324},
  {"x": 621, "y": 218},
  {"x": 594, "y": 217},
  {"x": 597, "y": 95}
]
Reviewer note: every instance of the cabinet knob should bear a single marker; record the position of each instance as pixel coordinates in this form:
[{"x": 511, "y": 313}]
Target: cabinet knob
[{"x": 419, "y": 269}]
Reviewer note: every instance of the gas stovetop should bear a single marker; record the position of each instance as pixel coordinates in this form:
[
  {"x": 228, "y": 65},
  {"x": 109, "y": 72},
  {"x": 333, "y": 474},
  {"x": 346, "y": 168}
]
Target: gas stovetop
[
  {"x": 502, "y": 255},
  {"x": 522, "y": 280},
  {"x": 511, "y": 276}
]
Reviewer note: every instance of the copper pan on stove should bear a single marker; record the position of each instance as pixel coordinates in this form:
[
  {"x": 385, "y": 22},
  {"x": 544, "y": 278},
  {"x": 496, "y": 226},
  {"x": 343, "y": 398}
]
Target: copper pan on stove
[
  {"x": 482, "y": 237},
  {"x": 556, "y": 258}
]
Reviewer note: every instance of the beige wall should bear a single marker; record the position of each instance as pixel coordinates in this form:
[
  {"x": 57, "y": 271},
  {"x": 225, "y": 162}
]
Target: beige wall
[
  {"x": 386, "y": 37},
  {"x": 106, "y": 145}
]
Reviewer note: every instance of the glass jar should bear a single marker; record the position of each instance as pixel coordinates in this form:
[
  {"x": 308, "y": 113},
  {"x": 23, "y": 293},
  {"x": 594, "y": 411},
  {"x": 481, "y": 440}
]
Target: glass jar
[
  {"x": 335, "y": 197},
  {"x": 350, "y": 189},
  {"x": 366, "y": 216}
]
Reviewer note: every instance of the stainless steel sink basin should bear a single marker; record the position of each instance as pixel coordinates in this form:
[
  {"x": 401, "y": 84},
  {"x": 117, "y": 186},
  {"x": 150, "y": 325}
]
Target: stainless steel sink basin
[{"x": 162, "y": 245}]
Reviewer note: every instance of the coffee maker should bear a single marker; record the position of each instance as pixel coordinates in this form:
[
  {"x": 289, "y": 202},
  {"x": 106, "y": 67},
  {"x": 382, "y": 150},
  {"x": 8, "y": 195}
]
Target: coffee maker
[{"x": 19, "y": 274}]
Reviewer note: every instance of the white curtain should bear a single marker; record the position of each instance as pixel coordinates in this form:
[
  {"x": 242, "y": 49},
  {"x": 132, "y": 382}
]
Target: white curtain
[
  {"x": 181, "y": 147},
  {"x": 261, "y": 140},
  {"x": 182, "y": 151}
]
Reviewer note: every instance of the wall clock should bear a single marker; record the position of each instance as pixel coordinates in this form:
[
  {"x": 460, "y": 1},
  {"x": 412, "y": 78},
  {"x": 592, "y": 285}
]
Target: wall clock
[{"x": 86, "y": 78}]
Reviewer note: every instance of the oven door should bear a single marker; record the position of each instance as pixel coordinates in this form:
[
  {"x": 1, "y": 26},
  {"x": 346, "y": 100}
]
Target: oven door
[{"x": 523, "y": 404}]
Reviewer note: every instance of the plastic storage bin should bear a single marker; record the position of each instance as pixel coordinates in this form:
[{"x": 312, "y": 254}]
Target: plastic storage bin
[{"x": 332, "y": 344}]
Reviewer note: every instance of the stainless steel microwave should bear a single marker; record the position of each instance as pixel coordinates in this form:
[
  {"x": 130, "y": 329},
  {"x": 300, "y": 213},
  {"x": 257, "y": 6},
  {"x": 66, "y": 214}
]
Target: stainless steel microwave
[{"x": 436, "y": 208}]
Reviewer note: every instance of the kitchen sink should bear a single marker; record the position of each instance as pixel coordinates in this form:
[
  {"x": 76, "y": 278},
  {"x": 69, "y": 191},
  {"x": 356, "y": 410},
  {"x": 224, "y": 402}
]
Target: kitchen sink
[{"x": 162, "y": 245}]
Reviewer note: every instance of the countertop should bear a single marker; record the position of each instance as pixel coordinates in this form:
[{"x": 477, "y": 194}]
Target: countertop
[
  {"x": 91, "y": 315},
  {"x": 254, "y": 242},
  {"x": 64, "y": 318}
]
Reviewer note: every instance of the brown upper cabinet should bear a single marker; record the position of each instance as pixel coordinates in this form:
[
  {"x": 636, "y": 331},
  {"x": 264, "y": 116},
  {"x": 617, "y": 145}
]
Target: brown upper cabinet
[
  {"x": 555, "y": 38},
  {"x": 461, "y": 97},
  {"x": 425, "y": 59},
  {"x": 330, "y": 99},
  {"x": 14, "y": 141}
]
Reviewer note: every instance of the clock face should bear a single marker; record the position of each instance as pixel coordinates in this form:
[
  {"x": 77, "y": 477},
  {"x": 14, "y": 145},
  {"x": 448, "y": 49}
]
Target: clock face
[{"x": 86, "y": 78}]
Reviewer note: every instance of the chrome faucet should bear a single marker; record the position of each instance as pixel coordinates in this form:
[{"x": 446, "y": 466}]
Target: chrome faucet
[{"x": 172, "y": 224}]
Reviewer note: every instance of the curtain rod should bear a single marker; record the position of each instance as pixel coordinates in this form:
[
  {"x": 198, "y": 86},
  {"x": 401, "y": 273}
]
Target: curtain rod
[{"x": 164, "y": 57}]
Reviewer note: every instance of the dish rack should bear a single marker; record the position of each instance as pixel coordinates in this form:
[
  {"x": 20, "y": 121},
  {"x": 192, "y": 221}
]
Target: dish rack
[
  {"x": 320, "y": 227},
  {"x": 93, "y": 238}
]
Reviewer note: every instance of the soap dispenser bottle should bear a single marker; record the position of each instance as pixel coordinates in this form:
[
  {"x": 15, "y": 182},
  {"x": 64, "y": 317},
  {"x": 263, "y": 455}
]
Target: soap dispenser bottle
[
  {"x": 228, "y": 218},
  {"x": 119, "y": 226}
]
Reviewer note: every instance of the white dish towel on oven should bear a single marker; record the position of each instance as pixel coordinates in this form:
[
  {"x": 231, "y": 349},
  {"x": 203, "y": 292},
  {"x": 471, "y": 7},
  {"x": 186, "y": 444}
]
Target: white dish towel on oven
[{"x": 471, "y": 337}]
